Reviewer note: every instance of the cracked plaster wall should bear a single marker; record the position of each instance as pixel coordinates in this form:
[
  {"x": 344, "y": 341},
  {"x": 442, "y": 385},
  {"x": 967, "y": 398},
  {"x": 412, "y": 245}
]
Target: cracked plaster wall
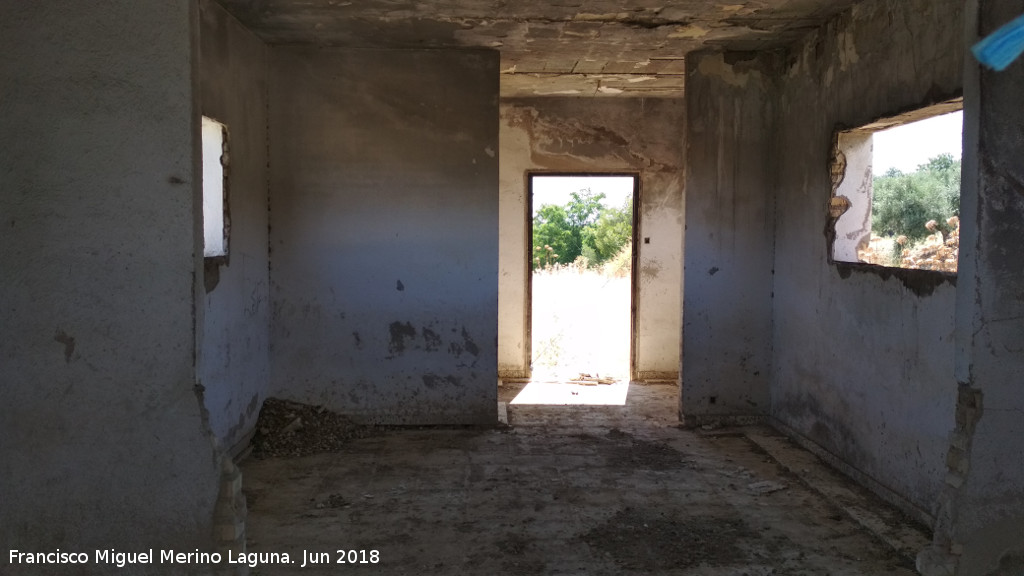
[
  {"x": 980, "y": 529},
  {"x": 102, "y": 438},
  {"x": 863, "y": 360},
  {"x": 233, "y": 362},
  {"x": 597, "y": 135},
  {"x": 384, "y": 232}
]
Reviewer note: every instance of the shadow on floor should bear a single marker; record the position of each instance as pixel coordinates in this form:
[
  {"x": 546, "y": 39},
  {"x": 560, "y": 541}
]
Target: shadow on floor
[{"x": 595, "y": 490}]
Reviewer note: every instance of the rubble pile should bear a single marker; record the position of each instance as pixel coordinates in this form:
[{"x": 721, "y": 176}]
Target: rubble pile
[
  {"x": 287, "y": 428},
  {"x": 940, "y": 251}
]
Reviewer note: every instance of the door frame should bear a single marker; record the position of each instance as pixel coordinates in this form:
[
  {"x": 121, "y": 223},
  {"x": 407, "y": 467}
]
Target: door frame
[{"x": 634, "y": 261}]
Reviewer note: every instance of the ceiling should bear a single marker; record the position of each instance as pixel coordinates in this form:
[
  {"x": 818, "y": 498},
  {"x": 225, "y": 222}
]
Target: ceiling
[{"x": 548, "y": 47}]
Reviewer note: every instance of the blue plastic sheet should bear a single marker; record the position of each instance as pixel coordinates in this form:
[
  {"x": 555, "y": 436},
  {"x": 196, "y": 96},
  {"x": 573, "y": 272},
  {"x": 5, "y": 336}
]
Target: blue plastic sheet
[{"x": 1002, "y": 47}]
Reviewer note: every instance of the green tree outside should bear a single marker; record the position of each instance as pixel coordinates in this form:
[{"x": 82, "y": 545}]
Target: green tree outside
[
  {"x": 613, "y": 229},
  {"x": 583, "y": 227},
  {"x": 903, "y": 204}
]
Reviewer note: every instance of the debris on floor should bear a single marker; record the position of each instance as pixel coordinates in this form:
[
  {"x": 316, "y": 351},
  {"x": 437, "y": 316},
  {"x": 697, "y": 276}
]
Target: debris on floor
[
  {"x": 286, "y": 428},
  {"x": 588, "y": 380},
  {"x": 766, "y": 487}
]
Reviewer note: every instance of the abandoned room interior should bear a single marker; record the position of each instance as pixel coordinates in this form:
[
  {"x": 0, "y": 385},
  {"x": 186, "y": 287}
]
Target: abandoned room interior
[{"x": 369, "y": 255}]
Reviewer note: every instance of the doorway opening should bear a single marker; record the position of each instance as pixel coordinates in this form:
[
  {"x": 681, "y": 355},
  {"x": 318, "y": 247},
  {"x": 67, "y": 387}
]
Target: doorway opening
[{"x": 581, "y": 287}]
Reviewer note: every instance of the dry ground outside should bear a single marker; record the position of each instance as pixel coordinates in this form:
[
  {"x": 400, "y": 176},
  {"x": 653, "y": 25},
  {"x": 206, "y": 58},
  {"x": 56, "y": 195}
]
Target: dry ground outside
[
  {"x": 933, "y": 253},
  {"x": 581, "y": 324}
]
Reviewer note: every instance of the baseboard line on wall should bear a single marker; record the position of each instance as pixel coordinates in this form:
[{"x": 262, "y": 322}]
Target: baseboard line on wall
[
  {"x": 656, "y": 377},
  {"x": 712, "y": 421},
  {"x": 514, "y": 375},
  {"x": 880, "y": 490}
]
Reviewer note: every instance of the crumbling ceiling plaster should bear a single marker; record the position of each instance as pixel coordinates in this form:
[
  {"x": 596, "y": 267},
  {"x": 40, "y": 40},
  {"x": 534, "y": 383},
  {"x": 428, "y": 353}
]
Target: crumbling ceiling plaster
[{"x": 548, "y": 47}]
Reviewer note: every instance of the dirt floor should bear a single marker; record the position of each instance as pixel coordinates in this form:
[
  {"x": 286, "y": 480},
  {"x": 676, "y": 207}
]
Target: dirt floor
[{"x": 583, "y": 490}]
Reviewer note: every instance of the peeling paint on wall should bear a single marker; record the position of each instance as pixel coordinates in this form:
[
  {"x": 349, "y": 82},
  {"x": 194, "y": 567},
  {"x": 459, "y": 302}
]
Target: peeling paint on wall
[
  {"x": 717, "y": 67},
  {"x": 593, "y": 136},
  {"x": 431, "y": 340}
]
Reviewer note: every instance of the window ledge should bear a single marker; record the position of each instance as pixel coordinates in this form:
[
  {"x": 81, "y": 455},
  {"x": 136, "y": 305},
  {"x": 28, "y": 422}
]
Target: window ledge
[{"x": 920, "y": 282}]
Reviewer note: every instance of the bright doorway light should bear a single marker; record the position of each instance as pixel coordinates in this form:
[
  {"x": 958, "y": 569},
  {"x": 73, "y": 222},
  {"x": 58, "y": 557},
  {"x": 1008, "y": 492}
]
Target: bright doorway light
[
  {"x": 581, "y": 287},
  {"x": 558, "y": 393}
]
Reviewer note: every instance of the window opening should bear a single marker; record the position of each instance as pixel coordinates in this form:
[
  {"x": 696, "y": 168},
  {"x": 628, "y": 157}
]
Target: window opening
[
  {"x": 896, "y": 191},
  {"x": 215, "y": 206}
]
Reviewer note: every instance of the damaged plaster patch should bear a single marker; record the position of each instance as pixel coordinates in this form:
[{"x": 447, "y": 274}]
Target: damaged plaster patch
[
  {"x": 921, "y": 282},
  {"x": 558, "y": 93},
  {"x": 847, "y": 50},
  {"x": 848, "y": 227},
  {"x": 969, "y": 407},
  {"x": 468, "y": 343},
  {"x": 560, "y": 137},
  {"x": 68, "y": 342},
  {"x": 650, "y": 269},
  {"x": 716, "y": 66},
  {"x": 399, "y": 332}
]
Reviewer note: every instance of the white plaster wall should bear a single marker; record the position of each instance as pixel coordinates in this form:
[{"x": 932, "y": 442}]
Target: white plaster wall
[
  {"x": 103, "y": 442},
  {"x": 384, "y": 232},
  {"x": 597, "y": 135},
  {"x": 234, "y": 338},
  {"x": 853, "y": 228}
]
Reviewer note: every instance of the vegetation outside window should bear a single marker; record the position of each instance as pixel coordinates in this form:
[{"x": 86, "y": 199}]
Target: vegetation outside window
[{"x": 896, "y": 191}]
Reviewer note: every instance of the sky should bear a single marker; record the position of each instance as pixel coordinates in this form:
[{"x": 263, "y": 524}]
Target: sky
[
  {"x": 556, "y": 189},
  {"x": 908, "y": 146}
]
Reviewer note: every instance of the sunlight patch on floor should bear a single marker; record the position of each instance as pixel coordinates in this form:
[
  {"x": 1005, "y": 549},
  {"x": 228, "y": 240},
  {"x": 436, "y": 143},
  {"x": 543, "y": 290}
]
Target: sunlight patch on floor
[{"x": 569, "y": 394}]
